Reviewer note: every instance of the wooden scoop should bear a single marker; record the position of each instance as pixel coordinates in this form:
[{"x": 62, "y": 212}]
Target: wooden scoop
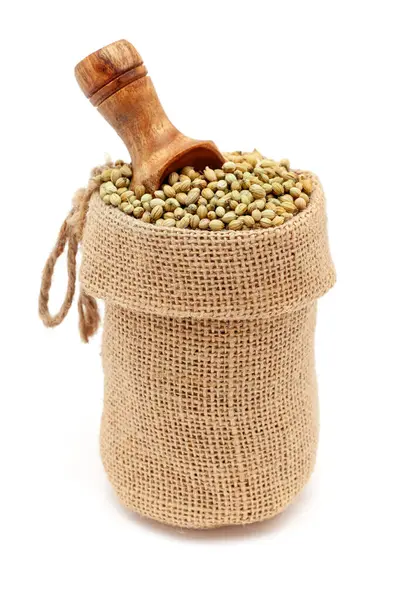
[{"x": 115, "y": 81}]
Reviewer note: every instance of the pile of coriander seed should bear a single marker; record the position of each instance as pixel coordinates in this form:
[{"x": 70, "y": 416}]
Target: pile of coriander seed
[{"x": 249, "y": 191}]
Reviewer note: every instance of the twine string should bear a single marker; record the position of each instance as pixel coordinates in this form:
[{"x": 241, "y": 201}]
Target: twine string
[{"x": 70, "y": 235}]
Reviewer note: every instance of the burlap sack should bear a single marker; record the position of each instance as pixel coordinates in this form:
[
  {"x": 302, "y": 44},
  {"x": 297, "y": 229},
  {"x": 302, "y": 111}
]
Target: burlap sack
[{"x": 210, "y": 406}]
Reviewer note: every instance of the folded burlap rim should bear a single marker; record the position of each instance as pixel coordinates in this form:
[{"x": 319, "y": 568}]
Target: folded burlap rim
[
  {"x": 250, "y": 274},
  {"x": 188, "y": 273}
]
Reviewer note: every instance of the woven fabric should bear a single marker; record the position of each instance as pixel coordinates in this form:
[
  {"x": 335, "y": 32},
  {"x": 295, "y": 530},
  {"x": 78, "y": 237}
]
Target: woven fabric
[
  {"x": 210, "y": 409},
  {"x": 226, "y": 274}
]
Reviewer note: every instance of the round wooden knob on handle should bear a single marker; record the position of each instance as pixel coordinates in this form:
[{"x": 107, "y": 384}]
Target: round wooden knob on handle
[{"x": 116, "y": 82}]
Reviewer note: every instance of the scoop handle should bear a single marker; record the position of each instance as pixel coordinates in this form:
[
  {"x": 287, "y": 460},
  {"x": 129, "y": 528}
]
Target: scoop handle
[{"x": 104, "y": 72}]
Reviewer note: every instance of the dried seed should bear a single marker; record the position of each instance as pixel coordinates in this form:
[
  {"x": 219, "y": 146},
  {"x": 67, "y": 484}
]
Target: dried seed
[
  {"x": 222, "y": 185},
  {"x": 173, "y": 178},
  {"x": 126, "y": 171},
  {"x": 264, "y": 178},
  {"x": 122, "y": 182},
  {"x": 248, "y": 221},
  {"x": 156, "y": 202},
  {"x": 288, "y": 184},
  {"x": 207, "y": 193},
  {"x": 216, "y": 225},
  {"x": 109, "y": 187},
  {"x": 106, "y": 175},
  {"x": 185, "y": 185},
  {"x": 204, "y": 223},
  {"x": 128, "y": 208},
  {"x": 285, "y": 162},
  {"x": 146, "y": 198},
  {"x": 300, "y": 203},
  {"x": 278, "y": 220},
  {"x": 235, "y": 224},
  {"x": 246, "y": 197},
  {"x": 115, "y": 199},
  {"x": 202, "y": 211},
  {"x": 257, "y": 191},
  {"x": 229, "y": 167},
  {"x": 184, "y": 222},
  {"x": 194, "y": 221},
  {"x": 209, "y": 174},
  {"x": 139, "y": 191},
  {"x": 278, "y": 188},
  {"x": 200, "y": 183},
  {"x": 307, "y": 186},
  {"x": 179, "y": 212},
  {"x": 128, "y": 196},
  {"x": 191, "y": 209},
  {"x": 157, "y": 212},
  {"x": 171, "y": 204},
  {"x": 260, "y": 204},
  {"x": 241, "y": 209},
  {"x": 269, "y": 214},
  {"x": 236, "y": 185},
  {"x": 289, "y": 206},
  {"x": 193, "y": 195},
  {"x": 230, "y": 178},
  {"x": 115, "y": 175},
  {"x": 228, "y": 217},
  {"x": 186, "y": 170},
  {"x": 138, "y": 211},
  {"x": 169, "y": 191},
  {"x": 182, "y": 198},
  {"x": 193, "y": 174},
  {"x": 267, "y": 162}
]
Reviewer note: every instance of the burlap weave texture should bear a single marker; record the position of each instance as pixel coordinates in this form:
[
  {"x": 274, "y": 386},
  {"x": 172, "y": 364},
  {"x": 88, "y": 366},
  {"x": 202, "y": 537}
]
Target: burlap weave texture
[{"x": 210, "y": 409}]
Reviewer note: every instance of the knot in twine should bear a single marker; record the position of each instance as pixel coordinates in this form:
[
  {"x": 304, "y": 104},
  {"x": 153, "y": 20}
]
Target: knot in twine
[{"x": 71, "y": 233}]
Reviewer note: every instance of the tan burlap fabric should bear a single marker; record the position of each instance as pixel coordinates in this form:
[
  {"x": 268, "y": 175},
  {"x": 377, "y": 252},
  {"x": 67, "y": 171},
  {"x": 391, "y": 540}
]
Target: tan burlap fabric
[{"x": 210, "y": 407}]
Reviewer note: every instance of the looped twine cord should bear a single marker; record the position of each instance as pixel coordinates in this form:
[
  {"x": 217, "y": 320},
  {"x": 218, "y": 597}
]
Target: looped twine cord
[{"x": 71, "y": 233}]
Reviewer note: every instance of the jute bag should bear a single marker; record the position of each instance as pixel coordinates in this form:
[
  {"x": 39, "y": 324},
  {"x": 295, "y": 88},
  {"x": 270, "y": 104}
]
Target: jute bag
[{"x": 210, "y": 398}]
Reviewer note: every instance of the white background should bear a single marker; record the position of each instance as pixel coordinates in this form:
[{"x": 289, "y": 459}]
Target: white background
[{"x": 313, "y": 81}]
